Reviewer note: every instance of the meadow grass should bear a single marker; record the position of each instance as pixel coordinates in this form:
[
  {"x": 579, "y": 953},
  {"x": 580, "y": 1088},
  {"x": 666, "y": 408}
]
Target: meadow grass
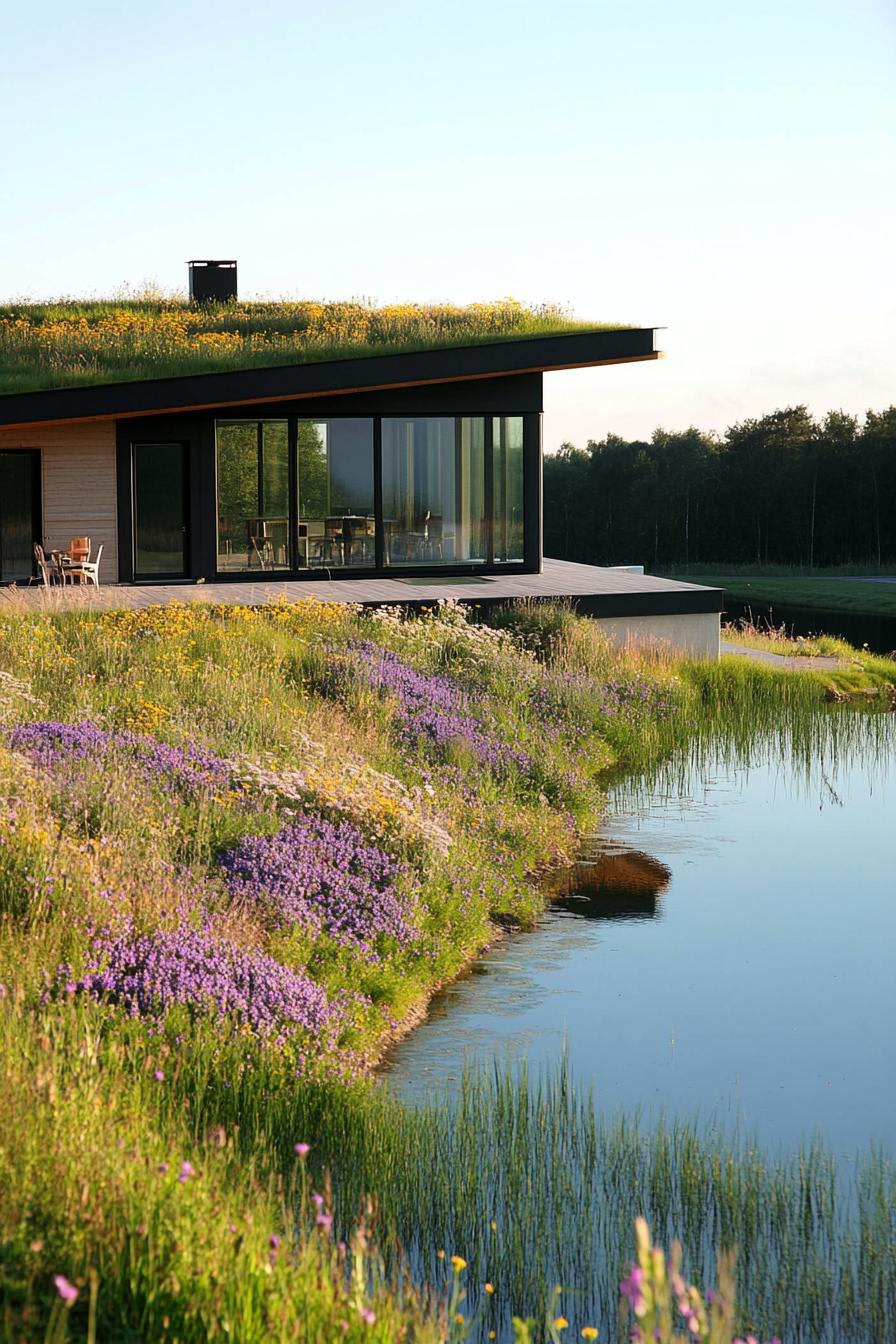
[
  {"x": 824, "y": 592},
  {"x": 71, "y": 342},
  {"x": 139, "y": 749}
]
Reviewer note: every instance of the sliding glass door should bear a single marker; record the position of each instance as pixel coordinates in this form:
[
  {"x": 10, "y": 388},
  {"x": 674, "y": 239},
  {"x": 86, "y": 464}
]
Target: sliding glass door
[{"x": 19, "y": 513}]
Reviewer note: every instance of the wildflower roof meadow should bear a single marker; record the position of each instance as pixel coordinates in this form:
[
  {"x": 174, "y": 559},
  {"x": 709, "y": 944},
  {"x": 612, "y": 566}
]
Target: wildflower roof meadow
[{"x": 74, "y": 342}]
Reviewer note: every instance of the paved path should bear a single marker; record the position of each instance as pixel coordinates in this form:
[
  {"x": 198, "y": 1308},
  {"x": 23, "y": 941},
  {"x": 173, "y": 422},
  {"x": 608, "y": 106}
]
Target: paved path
[{"x": 791, "y": 663}]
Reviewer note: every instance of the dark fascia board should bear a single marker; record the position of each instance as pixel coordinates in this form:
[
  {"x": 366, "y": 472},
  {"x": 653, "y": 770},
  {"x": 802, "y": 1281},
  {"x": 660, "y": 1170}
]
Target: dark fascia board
[
  {"x": 690, "y": 601},
  {"x": 202, "y": 391}
]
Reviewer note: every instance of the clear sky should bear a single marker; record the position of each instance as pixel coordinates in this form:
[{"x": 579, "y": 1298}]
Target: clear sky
[{"x": 726, "y": 171}]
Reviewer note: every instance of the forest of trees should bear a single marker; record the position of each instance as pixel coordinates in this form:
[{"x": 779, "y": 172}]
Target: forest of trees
[{"x": 784, "y": 489}]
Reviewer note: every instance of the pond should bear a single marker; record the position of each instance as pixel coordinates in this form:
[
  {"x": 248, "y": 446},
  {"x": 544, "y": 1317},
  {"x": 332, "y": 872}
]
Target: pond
[
  {"x": 724, "y": 950},
  {"x": 857, "y": 627}
]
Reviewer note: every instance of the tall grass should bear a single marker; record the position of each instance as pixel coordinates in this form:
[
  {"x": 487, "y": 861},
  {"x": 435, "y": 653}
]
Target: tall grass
[
  {"x": 93, "y": 1102},
  {"x": 537, "y": 1187}
]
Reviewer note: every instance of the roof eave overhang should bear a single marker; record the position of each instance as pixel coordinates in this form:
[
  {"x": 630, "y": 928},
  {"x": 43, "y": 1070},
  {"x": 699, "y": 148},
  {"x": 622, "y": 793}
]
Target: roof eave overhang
[{"x": 291, "y": 382}]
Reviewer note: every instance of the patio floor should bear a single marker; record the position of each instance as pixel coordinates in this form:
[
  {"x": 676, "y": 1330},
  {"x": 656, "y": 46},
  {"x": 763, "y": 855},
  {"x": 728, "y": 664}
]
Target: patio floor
[{"x": 594, "y": 592}]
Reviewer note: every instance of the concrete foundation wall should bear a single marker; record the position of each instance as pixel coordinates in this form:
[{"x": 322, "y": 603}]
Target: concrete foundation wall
[
  {"x": 697, "y": 634},
  {"x": 77, "y": 486}
]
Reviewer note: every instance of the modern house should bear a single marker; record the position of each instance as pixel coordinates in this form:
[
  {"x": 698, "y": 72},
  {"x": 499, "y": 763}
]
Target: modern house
[{"x": 385, "y": 467}]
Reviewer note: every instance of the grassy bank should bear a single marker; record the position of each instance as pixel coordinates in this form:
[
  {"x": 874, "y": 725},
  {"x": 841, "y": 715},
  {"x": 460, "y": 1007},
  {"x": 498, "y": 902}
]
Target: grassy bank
[
  {"x": 238, "y": 850},
  {"x": 824, "y": 592}
]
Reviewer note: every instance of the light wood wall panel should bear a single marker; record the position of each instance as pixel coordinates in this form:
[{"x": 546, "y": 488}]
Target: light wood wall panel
[{"x": 77, "y": 486}]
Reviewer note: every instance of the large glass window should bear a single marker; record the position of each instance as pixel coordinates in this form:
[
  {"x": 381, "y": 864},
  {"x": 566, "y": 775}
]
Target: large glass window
[
  {"x": 472, "y": 532},
  {"x": 452, "y": 492},
  {"x": 434, "y": 490},
  {"x": 336, "y": 523},
  {"x": 253, "y": 494},
  {"x": 507, "y": 479}
]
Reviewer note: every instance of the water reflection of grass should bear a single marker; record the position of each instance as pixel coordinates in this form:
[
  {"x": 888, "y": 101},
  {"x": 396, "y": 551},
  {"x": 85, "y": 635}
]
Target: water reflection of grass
[{"x": 539, "y": 1188}]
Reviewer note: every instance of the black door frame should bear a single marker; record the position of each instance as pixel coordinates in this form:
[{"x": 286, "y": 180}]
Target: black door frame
[{"x": 36, "y": 506}]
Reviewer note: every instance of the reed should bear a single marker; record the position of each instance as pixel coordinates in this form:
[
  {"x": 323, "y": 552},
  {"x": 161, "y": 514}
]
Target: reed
[{"x": 534, "y": 1185}]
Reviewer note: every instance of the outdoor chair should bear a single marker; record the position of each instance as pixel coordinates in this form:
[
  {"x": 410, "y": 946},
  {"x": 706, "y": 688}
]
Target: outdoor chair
[
  {"x": 44, "y": 571},
  {"x": 79, "y": 550},
  {"x": 87, "y": 571}
]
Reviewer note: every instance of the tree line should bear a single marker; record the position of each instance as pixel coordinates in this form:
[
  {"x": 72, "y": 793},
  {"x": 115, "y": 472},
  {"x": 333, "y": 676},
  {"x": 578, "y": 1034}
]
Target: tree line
[{"x": 784, "y": 489}]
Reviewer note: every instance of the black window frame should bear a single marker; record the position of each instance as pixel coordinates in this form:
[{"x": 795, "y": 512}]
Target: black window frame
[{"x": 530, "y": 561}]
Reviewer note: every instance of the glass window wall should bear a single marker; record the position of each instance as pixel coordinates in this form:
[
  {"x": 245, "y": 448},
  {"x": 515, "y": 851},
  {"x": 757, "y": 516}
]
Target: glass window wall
[
  {"x": 253, "y": 495},
  {"x": 452, "y": 492},
  {"x": 336, "y": 523},
  {"x": 434, "y": 491},
  {"x": 507, "y": 477}
]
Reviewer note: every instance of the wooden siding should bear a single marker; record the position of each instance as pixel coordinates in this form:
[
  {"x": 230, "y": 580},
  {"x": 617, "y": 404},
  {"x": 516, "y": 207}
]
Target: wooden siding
[{"x": 77, "y": 486}]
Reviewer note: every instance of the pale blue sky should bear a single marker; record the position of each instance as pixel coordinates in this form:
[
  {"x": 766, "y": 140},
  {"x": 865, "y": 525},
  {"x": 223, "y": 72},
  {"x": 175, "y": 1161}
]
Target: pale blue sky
[{"x": 725, "y": 171}]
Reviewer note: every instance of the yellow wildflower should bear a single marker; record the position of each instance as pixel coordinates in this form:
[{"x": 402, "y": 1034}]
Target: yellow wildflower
[{"x": 458, "y": 1262}]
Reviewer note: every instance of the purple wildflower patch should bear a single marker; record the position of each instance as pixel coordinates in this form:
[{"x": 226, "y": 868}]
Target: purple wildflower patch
[
  {"x": 187, "y": 770},
  {"x": 322, "y": 875},
  {"x": 432, "y": 710},
  {"x": 149, "y": 973}
]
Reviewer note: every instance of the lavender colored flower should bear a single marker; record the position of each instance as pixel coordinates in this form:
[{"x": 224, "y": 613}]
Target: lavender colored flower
[
  {"x": 186, "y": 1171},
  {"x": 185, "y": 770},
  {"x": 321, "y": 875},
  {"x": 432, "y": 711},
  {"x": 302, "y": 1149},
  {"x": 149, "y": 973}
]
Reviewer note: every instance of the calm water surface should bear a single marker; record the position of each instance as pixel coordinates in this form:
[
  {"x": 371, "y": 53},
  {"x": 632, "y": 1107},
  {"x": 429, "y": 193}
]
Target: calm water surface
[
  {"x": 727, "y": 950},
  {"x": 858, "y": 628}
]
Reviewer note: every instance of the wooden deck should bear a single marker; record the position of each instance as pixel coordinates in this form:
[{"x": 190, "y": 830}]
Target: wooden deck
[{"x": 593, "y": 591}]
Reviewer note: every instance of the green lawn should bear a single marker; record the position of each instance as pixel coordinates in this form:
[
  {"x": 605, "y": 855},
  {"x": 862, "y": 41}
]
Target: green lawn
[{"x": 826, "y": 593}]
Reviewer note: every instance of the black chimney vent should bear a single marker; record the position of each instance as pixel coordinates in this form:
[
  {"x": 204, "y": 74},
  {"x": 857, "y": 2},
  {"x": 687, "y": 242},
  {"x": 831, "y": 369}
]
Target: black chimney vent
[{"x": 212, "y": 281}]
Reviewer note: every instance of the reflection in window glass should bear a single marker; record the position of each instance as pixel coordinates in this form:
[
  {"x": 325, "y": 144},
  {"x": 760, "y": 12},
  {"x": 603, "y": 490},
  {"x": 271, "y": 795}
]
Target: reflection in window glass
[
  {"x": 419, "y": 491},
  {"x": 335, "y": 474},
  {"x": 507, "y": 459},
  {"x": 253, "y": 494},
  {"x": 472, "y": 538}
]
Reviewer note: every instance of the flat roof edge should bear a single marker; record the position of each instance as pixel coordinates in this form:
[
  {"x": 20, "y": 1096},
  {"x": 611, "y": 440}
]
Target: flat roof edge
[{"x": 581, "y": 349}]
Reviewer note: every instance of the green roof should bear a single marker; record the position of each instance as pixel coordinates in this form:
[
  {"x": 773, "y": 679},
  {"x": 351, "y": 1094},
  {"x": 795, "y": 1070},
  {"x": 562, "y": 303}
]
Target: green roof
[{"x": 72, "y": 343}]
